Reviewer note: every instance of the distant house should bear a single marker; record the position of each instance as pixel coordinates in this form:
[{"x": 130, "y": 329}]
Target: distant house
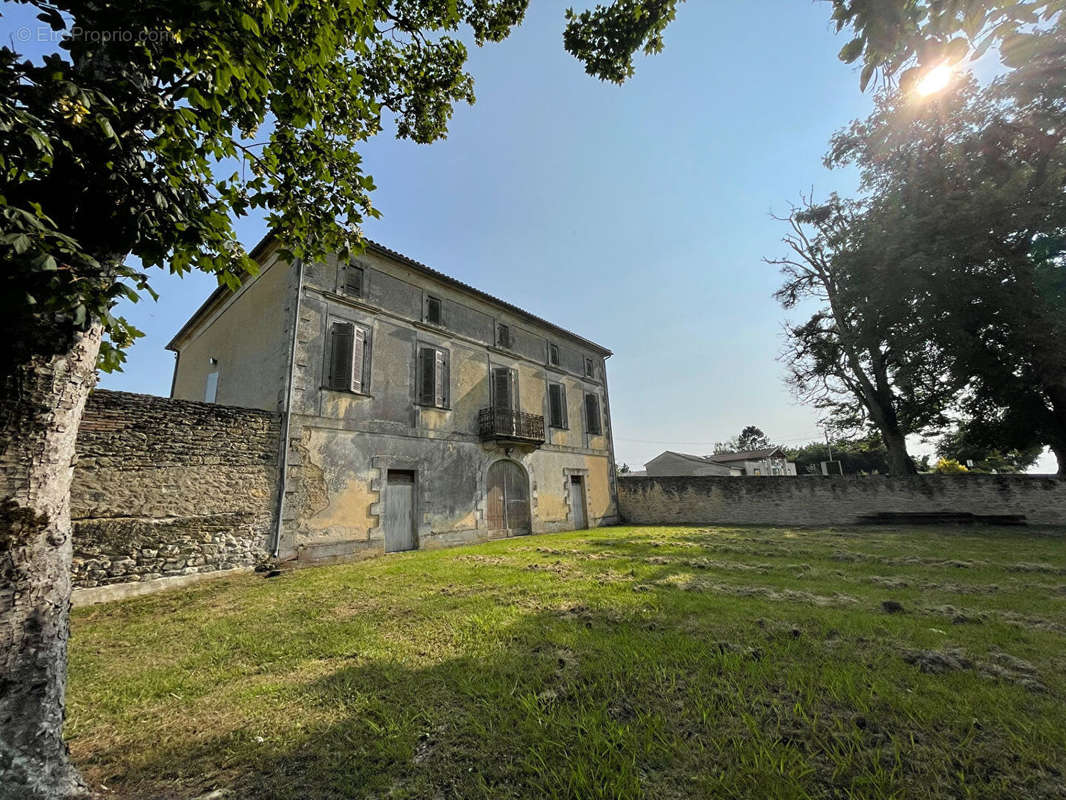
[
  {"x": 768, "y": 461},
  {"x": 670, "y": 463}
]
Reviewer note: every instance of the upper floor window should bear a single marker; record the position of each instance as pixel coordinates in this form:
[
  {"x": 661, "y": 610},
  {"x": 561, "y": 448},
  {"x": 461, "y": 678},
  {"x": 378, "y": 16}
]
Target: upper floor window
[
  {"x": 590, "y": 368},
  {"x": 211, "y": 387},
  {"x": 557, "y": 405},
  {"x": 434, "y": 312},
  {"x": 593, "y": 423},
  {"x": 433, "y": 377},
  {"x": 503, "y": 336},
  {"x": 349, "y": 358},
  {"x": 504, "y": 388},
  {"x": 553, "y": 354},
  {"x": 354, "y": 281}
]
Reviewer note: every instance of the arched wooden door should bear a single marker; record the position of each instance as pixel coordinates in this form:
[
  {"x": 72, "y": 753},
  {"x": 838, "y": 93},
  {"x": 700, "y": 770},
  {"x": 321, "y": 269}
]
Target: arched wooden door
[{"x": 508, "y": 498}]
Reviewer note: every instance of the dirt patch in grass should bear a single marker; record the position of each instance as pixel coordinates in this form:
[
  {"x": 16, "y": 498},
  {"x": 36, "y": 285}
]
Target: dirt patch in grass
[
  {"x": 965, "y": 616},
  {"x": 999, "y": 665},
  {"x": 697, "y": 583},
  {"x": 893, "y": 582}
]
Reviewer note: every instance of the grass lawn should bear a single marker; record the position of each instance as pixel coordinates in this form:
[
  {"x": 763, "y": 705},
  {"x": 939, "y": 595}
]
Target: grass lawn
[{"x": 617, "y": 663}]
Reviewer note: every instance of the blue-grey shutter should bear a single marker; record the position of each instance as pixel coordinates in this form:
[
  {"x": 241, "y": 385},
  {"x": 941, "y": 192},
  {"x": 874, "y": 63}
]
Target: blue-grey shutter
[
  {"x": 353, "y": 281},
  {"x": 342, "y": 335},
  {"x": 433, "y": 311},
  {"x": 501, "y": 388},
  {"x": 426, "y": 376},
  {"x": 592, "y": 415},
  {"x": 557, "y": 405}
]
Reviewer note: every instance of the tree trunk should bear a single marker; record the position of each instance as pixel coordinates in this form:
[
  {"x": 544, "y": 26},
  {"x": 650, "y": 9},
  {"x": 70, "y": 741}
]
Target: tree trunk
[
  {"x": 899, "y": 460},
  {"x": 1058, "y": 410},
  {"x": 43, "y": 395},
  {"x": 1059, "y": 449}
]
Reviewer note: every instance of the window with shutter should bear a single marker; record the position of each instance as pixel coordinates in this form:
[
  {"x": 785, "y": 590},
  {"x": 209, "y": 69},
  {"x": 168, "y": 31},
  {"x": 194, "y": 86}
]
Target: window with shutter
[
  {"x": 557, "y": 405},
  {"x": 342, "y": 335},
  {"x": 359, "y": 353},
  {"x": 433, "y": 311},
  {"x": 353, "y": 281},
  {"x": 504, "y": 387},
  {"x": 503, "y": 336},
  {"x": 590, "y": 368},
  {"x": 440, "y": 383},
  {"x": 427, "y": 378},
  {"x": 592, "y": 415},
  {"x": 433, "y": 377},
  {"x": 553, "y": 354}
]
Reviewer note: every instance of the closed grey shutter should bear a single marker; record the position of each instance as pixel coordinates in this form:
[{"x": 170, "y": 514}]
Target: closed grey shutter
[
  {"x": 353, "y": 281},
  {"x": 433, "y": 311},
  {"x": 426, "y": 377},
  {"x": 501, "y": 388},
  {"x": 358, "y": 360},
  {"x": 557, "y": 405},
  {"x": 340, "y": 356},
  {"x": 592, "y": 415}
]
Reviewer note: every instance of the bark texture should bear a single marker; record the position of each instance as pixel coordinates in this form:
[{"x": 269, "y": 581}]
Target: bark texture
[{"x": 43, "y": 394}]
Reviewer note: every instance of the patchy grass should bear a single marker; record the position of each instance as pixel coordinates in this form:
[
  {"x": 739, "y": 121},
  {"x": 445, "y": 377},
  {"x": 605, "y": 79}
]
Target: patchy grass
[{"x": 618, "y": 663}]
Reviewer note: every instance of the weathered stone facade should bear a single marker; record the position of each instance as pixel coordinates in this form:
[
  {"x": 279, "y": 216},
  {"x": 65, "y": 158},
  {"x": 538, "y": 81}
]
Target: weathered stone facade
[
  {"x": 346, "y": 438},
  {"x": 835, "y": 501},
  {"x": 166, "y": 488}
]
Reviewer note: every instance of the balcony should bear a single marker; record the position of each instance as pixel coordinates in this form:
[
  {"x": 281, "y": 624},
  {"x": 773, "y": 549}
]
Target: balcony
[{"x": 515, "y": 427}]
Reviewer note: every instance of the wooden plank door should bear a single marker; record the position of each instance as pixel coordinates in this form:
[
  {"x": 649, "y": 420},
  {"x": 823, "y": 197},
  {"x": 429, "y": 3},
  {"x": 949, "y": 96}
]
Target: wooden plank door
[
  {"x": 400, "y": 511},
  {"x": 507, "y": 506}
]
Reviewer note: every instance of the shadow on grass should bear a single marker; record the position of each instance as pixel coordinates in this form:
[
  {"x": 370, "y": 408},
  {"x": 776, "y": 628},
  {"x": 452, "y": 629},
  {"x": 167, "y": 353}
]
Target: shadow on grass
[{"x": 563, "y": 704}]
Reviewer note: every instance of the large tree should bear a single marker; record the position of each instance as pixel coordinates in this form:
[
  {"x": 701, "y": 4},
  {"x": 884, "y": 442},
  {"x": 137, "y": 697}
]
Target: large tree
[
  {"x": 977, "y": 444},
  {"x": 973, "y": 185},
  {"x": 861, "y": 357},
  {"x": 141, "y": 137}
]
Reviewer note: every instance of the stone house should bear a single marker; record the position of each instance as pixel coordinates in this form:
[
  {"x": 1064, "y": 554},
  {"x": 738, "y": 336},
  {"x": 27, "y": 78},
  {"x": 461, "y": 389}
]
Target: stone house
[
  {"x": 417, "y": 411},
  {"x": 765, "y": 462},
  {"x": 670, "y": 463}
]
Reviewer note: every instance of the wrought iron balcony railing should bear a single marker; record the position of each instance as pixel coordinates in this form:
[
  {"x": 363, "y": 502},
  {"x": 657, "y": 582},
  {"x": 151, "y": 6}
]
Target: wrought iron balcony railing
[{"x": 504, "y": 424}]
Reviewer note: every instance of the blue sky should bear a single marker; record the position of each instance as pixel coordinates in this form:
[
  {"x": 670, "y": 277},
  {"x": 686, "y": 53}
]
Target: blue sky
[{"x": 637, "y": 216}]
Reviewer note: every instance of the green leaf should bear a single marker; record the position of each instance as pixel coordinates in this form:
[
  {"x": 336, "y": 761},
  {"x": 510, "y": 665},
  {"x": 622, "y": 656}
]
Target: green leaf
[
  {"x": 250, "y": 24},
  {"x": 852, "y": 50}
]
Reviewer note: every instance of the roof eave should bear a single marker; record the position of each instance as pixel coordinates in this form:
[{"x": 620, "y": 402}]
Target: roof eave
[{"x": 381, "y": 249}]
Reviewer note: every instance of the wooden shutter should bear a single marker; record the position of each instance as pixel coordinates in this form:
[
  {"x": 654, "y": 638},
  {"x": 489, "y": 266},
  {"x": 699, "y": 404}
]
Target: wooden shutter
[
  {"x": 592, "y": 415},
  {"x": 433, "y": 315},
  {"x": 504, "y": 336},
  {"x": 340, "y": 356},
  {"x": 502, "y": 388},
  {"x": 553, "y": 354},
  {"x": 353, "y": 281},
  {"x": 440, "y": 382},
  {"x": 358, "y": 360},
  {"x": 426, "y": 377},
  {"x": 557, "y": 405}
]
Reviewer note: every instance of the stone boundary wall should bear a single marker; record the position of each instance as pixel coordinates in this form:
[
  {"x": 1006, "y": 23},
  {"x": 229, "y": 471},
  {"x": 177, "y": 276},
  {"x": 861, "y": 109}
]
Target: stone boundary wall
[
  {"x": 165, "y": 488},
  {"x": 835, "y": 501}
]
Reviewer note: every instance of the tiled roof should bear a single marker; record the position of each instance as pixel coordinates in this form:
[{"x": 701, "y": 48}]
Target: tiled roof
[
  {"x": 381, "y": 249},
  {"x": 745, "y": 455}
]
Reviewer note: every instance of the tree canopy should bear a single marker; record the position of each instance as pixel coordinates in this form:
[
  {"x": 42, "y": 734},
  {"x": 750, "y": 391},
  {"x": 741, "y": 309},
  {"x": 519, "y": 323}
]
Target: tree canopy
[{"x": 750, "y": 438}]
